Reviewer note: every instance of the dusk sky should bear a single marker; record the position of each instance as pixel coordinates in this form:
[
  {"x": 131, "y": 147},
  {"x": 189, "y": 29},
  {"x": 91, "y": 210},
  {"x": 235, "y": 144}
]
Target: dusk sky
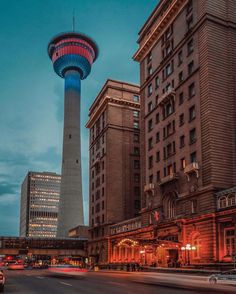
[{"x": 31, "y": 101}]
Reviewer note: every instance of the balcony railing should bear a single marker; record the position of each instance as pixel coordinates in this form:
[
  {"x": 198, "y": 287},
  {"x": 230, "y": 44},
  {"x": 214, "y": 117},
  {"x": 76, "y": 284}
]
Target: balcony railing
[
  {"x": 169, "y": 178},
  {"x": 166, "y": 96},
  {"x": 191, "y": 168},
  {"x": 149, "y": 187}
]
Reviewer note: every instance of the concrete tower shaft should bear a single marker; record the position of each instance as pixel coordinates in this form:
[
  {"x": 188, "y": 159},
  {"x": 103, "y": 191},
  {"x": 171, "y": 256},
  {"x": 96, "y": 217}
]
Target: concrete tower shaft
[{"x": 72, "y": 55}]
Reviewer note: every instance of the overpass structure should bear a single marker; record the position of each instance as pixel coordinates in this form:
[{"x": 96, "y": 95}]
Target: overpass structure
[{"x": 71, "y": 247}]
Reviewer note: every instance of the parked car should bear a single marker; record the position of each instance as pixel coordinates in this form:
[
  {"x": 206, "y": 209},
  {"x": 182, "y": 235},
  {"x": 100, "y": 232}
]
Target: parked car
[
  {"x": 2, "y": 281},
  {"x": 228, "y": 277}
]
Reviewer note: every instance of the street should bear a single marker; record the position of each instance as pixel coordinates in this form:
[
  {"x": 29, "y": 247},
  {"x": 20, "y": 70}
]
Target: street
[{"x": 39, "y": 281}]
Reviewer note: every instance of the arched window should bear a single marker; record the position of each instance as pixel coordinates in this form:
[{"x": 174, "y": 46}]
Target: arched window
[
  {"x": 169, "y": 204},
  {"x": 231, "y": 200},
  {"x": 222, "y": 202}
]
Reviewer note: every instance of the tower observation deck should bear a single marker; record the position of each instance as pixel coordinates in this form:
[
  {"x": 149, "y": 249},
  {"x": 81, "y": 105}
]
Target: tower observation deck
[{"x": 72, "y": 55}]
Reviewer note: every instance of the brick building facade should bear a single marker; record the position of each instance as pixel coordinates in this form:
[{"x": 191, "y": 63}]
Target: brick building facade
[
  {"x": 188, "y": 120},
  {"x": 114, "y": 122}
]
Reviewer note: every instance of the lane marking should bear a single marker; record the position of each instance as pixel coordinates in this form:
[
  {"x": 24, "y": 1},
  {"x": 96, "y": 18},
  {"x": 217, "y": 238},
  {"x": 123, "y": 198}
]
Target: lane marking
[
  {"x": 63, "y": 283},
  {"x": 40, "y": 277}
]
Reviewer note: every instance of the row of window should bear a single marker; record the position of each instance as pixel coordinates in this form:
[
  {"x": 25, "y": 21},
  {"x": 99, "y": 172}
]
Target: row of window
[
  {"x": 169, "y": 69},
  {"x": 171, "y": 168},
  {"x": 169, "y": 107}
]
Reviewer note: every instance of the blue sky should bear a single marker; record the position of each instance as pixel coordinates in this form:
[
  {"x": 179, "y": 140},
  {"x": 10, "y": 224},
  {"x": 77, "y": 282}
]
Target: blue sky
[{"x": 31, "y": 94}]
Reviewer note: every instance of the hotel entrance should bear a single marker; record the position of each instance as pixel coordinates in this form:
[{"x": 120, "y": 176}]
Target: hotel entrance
[{"x": 167, "y": 254}]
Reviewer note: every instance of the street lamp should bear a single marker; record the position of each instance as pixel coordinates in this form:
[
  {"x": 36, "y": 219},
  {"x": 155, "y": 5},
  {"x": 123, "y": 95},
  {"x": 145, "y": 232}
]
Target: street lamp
[{"x": 187, "y": 248}]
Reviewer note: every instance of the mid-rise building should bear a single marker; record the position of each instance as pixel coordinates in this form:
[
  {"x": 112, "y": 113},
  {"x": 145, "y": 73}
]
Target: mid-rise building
[
  {"x": 114, "y": 121},
  {"x": 188, "y": 124},
  {"x": 40, "y": 193}
]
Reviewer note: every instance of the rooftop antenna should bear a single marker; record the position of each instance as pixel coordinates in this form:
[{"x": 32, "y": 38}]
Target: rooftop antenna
[{"x": 73, "y": 21}]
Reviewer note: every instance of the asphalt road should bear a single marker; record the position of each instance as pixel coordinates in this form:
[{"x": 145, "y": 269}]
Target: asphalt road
[{"x": 43, "y": 282}]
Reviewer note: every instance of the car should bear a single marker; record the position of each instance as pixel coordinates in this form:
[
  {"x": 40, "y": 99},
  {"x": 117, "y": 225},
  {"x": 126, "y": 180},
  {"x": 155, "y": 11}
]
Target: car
[
  {"x": 67, "y": 269},
  {"x": 2, "y": 281},
  {"x": 228, "y": 277},
  {"x": 15, "y": 266}
]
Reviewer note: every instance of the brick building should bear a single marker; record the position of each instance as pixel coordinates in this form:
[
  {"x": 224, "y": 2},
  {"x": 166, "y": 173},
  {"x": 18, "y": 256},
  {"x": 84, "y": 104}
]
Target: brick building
[
  {"x": 114, "y": 121},
  {"x": 188, "y": 121}
]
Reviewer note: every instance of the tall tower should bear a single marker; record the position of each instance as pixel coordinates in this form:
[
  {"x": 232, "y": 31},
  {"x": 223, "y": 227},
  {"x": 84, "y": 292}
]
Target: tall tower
[{"x": 72, "y": 55}]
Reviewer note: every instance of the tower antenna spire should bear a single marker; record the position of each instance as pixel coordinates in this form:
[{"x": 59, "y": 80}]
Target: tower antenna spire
[{"x": 73, "y": 21}]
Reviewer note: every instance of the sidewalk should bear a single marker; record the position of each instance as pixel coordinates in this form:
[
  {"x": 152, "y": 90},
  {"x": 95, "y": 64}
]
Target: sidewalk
[{"x": 164, "y": 270}]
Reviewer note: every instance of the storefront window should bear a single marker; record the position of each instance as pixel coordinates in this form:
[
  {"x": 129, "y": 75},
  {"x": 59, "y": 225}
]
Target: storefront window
[{"x": 229, "y": 242}]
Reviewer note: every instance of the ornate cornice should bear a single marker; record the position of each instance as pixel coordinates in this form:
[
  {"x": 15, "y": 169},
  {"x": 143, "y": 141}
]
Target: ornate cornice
[
  {"x": 163, "y": 22},
  {"x": 111, "y": 101}
]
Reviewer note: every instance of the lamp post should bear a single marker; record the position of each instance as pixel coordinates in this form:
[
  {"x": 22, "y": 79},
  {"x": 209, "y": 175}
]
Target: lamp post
[{"x": 187, "y": 248}]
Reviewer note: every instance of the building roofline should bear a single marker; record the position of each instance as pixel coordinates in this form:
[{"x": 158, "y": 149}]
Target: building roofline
[
  {"x": 106, "y": 86},
  {"x": 160, "y": 3}
]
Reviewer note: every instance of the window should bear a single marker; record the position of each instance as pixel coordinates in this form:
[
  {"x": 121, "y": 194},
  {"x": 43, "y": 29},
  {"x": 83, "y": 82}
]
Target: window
[
  {"x": 182, "y": 163},
  {"x": 169, "y": 207},
  {"x": 136, "y": 138},
  {"x": 194, "y": 206},
  {"x": 181, "y": 141},
  {"x": 191, "y": 90},
  {"x": 222, "y": 202},
  {"x": 149, "y": 89},
  {"x": 158, "y": 176},
  {"x": 170, "y": 169},
  {"x": 150, "y": 126},
  {"x": 149, "y": 57},
  {"x": 229, "y": 242},
  {"x": 136, "y": 125},
  {"x": 136, "y": 150},
  {"x": 193, "y": 157},
  {"x": 150, "y": 162},
  {"x": 150, "y": 179},
  {"x": 189, "y": 23},
  {"x": 168, "y": 69},
  {"x": 190, "y": 67},
  {"x": 189, "y": 6},
  {"x": 157, "y": 118},
  {"x": 192, "y": 136},
  {"x": 168, "y": 128},
  {"x": 169, "y": 150},
  {"x": 150, "y": 144},
  {"x": 69, "y": 136},
  {"x": 136, "y": 98},
  {"x": 173, "y": 146},
  {"x": 136, "y": 164},
  {"x": 135, "y": 113},
  {"x": 164, "y": 152},
  {"x": 136, "y": 178},
  {"x": 168, "y": 32},
  {"x": 181, "y": 98},
  {"x": 190, "y": 47},
  {"x": 149, "y": 70},
  {"x": 169, "y": 109},
  {"x": 181, "y": 77},
  {"x": 157, "y": 82},
  {"x": 164, "y": 133},
  {"x": 157, "y": 137},
  {"x": 157, "y": 156},
  {"x": 192, "y": 113},
  {"x": 180, "y": 57},
  {"x": 150, "y": 106},
  {"x": 181, "y": 119},
  {"x": 92, "y": 210}
]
